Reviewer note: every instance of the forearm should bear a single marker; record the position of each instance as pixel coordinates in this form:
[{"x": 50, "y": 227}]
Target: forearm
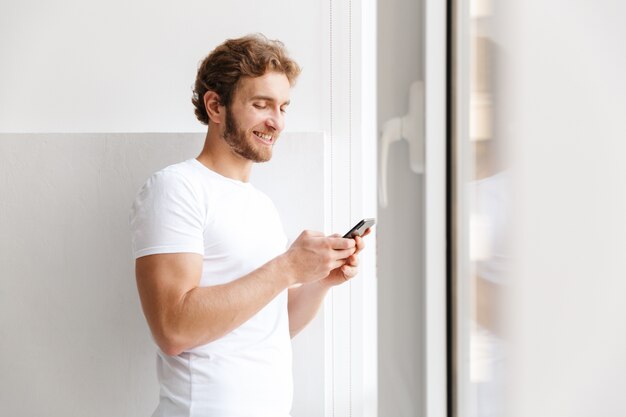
[
  {"x": 205, "y": 314},
  {"x": 304, "y": 303}
]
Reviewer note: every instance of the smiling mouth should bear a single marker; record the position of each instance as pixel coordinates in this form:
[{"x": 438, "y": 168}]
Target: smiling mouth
[{"x": 266, "y": 138}]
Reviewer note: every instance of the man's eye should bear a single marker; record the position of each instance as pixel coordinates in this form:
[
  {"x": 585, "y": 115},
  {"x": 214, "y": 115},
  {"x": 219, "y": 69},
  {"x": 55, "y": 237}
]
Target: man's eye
[
  {"x": 258, "y": 106},
  {"x": 284, "y": 111}
]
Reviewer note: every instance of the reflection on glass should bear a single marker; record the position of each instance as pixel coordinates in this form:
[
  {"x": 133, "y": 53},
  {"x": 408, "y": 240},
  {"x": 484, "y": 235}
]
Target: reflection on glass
[{"x": 488, "y": 188}]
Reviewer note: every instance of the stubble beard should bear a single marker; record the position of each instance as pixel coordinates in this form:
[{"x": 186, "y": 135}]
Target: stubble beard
[{"x": 238, "y": 141}]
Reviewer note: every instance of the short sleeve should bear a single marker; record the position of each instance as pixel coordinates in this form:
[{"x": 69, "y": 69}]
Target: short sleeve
[{"x": 166, "y": 217}]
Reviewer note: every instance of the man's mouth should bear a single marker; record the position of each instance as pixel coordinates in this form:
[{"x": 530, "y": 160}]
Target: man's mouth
[{"x": 266, "y": 138}]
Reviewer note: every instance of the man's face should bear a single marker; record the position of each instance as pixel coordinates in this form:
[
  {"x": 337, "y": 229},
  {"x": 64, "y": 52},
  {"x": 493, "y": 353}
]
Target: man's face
[{"x": 256, "y": 115}]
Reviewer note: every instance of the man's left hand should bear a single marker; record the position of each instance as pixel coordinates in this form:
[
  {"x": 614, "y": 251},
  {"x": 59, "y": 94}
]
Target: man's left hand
[{"x": 350, "y": 268}]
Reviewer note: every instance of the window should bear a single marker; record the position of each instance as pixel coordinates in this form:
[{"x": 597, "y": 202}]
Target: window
[{"x": 480, "y": 210}]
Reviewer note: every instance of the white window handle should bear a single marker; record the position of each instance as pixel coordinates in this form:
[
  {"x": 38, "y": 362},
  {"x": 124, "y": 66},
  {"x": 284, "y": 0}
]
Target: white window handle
[{"x": 409, "y": 127}]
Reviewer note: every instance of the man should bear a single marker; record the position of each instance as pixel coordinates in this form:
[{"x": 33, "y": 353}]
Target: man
[{"x": 221, "y": 295}]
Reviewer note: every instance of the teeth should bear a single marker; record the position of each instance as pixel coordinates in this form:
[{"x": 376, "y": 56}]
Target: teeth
[{"x": 264, "y": 136}]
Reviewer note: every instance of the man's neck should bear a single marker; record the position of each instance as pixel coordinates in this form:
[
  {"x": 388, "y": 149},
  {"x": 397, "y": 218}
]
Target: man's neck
[{"x": 218, "y": 156}]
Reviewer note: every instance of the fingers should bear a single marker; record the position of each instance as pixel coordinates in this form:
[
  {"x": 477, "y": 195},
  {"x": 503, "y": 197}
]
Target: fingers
[
  {"x": 340, "y": 243},
  {"x": 360, "y": 244},
  {"x": 349, "y": 254},
  {"x": 352, "y": 260},
  {"x": 349, "y": 272},
  {"x": 338, "y": 263},
  {"x": 349, "y": 262},
  {"x": 343, "y": 254}
]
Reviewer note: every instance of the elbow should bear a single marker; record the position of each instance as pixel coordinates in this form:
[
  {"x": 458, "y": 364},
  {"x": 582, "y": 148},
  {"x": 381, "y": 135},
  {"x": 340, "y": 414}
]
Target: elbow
[
  {"x": 173, "y": 342},
  {"x": 173, "y": 345},
  {"x": 170, "y": 342},
  {"x": 173, "y": 338},
  {"x": 170, "y": 349}
]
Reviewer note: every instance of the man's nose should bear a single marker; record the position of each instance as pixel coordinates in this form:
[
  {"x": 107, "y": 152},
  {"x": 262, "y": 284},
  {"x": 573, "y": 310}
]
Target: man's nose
[{"x": 276, "y": 121}]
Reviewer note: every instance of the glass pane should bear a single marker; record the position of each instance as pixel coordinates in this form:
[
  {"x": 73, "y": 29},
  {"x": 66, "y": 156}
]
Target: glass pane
[{"x": 483, "y": 221}]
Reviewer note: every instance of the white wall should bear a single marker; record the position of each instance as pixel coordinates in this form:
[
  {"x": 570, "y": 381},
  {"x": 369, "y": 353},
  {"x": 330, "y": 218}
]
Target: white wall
[
  {"x": 74, "y": 338},
  {"x": 129, "y": 66}
]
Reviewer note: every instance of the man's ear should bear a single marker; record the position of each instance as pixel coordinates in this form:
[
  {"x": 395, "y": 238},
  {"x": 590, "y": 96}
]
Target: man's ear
[{"x": 214, "y": 109}]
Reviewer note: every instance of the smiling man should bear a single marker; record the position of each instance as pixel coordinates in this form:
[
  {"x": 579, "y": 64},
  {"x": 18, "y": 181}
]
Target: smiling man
[{"x": 221, "y": 292}]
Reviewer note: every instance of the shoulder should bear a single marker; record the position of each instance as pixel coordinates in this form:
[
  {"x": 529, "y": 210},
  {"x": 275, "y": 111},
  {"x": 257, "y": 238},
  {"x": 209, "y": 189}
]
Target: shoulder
[
  {"x": 167, "y": 203},
  {"x": 178, "y": 178},
  {"x": 173, "y": 188},
  {"x": 167, "y": 215},
  {"x": 179, "y": 172}
]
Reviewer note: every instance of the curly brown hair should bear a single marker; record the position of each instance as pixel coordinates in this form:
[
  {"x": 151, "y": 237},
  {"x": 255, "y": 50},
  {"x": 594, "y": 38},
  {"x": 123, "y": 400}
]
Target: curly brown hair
[{"x": 248, "y": 56}]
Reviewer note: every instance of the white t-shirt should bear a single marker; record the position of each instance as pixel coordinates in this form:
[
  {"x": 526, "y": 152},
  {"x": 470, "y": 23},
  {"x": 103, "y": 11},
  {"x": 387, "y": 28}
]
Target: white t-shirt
[{"x": 188, "y": 208}]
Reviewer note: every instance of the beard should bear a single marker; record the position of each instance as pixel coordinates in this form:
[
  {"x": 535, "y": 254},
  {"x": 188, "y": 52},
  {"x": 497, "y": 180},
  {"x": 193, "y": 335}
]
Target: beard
[{"x": 239, "y": 142}]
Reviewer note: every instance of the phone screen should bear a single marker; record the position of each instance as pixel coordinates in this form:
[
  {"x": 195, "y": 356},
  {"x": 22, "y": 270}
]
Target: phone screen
[{"x": 360, "y": 228}]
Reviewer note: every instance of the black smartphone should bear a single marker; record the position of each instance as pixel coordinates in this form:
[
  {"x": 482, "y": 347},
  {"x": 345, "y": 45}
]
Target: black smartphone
[{"x": 360, "y": 228}]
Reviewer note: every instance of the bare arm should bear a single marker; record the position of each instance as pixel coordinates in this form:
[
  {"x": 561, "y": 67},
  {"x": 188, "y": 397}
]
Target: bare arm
[
  {"x": 182, "y": 315},
  {"x": 304, "y": 303}
]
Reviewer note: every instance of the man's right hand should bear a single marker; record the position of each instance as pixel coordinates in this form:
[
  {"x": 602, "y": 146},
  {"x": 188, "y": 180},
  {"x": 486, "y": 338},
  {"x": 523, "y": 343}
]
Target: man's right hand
[{"x": 312, "y": 255}]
